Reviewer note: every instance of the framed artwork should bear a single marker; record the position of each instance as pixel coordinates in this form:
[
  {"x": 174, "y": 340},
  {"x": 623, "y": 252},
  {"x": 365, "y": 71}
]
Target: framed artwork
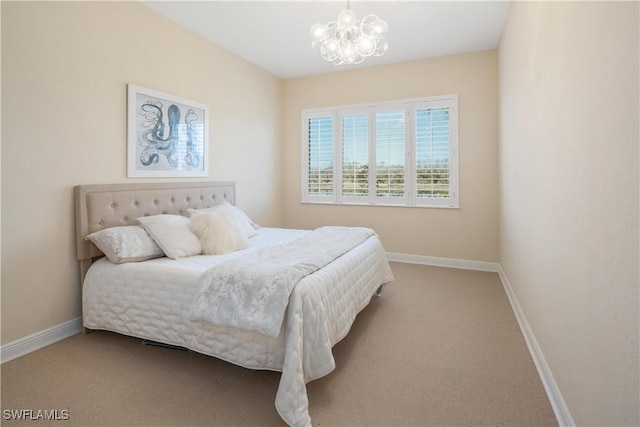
[{"x": 167, "y": 136}]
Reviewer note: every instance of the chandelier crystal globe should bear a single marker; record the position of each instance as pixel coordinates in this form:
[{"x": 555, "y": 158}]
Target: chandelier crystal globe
[{"x": 349, "y": 40}]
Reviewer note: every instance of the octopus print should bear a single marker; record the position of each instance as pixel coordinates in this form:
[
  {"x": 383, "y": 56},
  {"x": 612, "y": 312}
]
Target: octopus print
[{"x": 156, "y": 141}]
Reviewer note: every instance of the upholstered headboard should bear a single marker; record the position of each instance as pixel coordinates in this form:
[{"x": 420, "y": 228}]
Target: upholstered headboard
[{"x": 110, "y": 205}]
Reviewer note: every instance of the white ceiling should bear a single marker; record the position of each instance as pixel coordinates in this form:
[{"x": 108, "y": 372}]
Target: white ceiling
[{"x": 274, "y": 35}]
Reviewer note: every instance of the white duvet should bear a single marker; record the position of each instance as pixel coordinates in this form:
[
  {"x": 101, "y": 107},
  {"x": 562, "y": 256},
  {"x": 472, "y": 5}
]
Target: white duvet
[
  {"x": 252, "y": 292},
  {"x": 151, "y": 300}
]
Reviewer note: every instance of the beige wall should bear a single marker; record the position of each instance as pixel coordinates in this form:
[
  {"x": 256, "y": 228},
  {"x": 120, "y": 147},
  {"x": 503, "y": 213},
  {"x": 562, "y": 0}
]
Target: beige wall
[
  {"x": 569, "y": 205},
  {"x": 65, "y": 66},
  {"x": 468, "y": 233}
]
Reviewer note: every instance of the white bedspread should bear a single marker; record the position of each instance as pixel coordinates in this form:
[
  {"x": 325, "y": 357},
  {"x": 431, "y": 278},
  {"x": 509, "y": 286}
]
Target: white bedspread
[
  {"x": 151, "y": 300},
  {"x": 252, "y": 292}
]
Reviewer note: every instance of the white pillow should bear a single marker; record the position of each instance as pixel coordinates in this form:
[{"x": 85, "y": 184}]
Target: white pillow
[
  {"x": 173, "y": 234},
  {"x": 230, "y": 210},
  {"x": 219, "y": 232},
  {"x": 129, "y": 243},
  {"x": 251, "y": 230}
]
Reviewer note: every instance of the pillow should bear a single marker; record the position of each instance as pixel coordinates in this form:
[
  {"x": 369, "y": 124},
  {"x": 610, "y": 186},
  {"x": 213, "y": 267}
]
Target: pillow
[
  {"x": 241, "y": 217},
  {"x": 129, "y": 243},
  {"x": 219, "y": 233},
  {"x": 173, "y": 234},
  {"x": 253, "y": 226}
]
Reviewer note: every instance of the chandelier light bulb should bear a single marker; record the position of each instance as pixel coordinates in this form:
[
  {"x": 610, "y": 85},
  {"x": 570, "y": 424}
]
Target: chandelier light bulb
[
  {"x": 349, "y": 40},
  {"x": 346, "y": 19},
  {"x": 317, "y": 31},
  {"x": 366, "y": 45},
  {"x": 332, "y": 46}
]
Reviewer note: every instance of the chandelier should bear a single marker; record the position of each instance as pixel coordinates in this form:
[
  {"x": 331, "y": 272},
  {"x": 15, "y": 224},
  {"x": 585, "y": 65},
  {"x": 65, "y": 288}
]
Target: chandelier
[{"x": 349, "y": 40}]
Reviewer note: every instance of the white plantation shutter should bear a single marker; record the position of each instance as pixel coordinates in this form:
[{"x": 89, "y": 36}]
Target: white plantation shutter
[
  {"x": 355, "y": 155},
  {"x": 435, "y": 153},
  {"x": 391, "y": 153},
  {"x": 319, "y": 153}
]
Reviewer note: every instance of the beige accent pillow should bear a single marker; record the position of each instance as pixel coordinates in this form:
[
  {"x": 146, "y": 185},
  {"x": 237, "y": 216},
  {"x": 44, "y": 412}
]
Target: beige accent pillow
[
  {"x": 233, "y": 211},
  {"x": 173, "y": 234},
  {"x": 219, "y": 232},
  {"x": 130, "y": 243}
]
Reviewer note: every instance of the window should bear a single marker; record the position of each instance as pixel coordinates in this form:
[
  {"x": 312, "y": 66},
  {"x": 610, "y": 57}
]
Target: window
[
  {"x": 319, "y": 166},
  {"x": 355, "y": 156},
  {"x": 393, "y": 153}
]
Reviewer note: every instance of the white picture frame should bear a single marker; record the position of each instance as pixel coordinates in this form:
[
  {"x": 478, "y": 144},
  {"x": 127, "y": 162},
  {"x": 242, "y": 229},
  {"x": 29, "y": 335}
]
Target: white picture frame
[{"x": 167, "y": 136}]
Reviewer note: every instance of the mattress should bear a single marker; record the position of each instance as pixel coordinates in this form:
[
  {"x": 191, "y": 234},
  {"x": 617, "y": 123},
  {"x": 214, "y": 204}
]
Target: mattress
[{"x": 151, "y": 300}]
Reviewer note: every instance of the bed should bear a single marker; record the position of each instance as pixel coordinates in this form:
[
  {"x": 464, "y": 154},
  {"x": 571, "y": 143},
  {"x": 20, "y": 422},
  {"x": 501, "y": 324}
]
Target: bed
[{"x": 153, "y": 299}]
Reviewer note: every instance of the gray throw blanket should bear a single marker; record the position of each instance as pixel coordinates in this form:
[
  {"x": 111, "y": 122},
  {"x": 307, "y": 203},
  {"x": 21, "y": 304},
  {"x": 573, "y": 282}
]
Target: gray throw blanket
[{"x": 252, "y": 292}]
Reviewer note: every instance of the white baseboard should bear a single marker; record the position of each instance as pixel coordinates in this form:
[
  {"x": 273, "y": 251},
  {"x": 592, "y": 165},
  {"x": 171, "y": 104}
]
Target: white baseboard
[
  {"x": 40, "y": 339},
  {"x": 444, "y": 262},
  {"x": 556, "y": 400}
]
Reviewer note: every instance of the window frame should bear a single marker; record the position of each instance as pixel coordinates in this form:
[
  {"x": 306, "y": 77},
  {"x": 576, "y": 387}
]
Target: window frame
[{"x": 410, "y": 108}]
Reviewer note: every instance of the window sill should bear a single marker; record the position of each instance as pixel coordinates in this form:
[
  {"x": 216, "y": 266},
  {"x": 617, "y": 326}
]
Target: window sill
[{"x": 385, "y": 205}]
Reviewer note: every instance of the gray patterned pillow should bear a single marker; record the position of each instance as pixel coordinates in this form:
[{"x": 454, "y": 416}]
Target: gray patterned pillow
[{"x": 130, "y": 243}]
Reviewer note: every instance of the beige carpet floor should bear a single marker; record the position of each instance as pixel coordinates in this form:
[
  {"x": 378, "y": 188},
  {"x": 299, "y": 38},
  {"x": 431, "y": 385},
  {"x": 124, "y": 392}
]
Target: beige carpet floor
[{"x": 439, "y": 347}]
